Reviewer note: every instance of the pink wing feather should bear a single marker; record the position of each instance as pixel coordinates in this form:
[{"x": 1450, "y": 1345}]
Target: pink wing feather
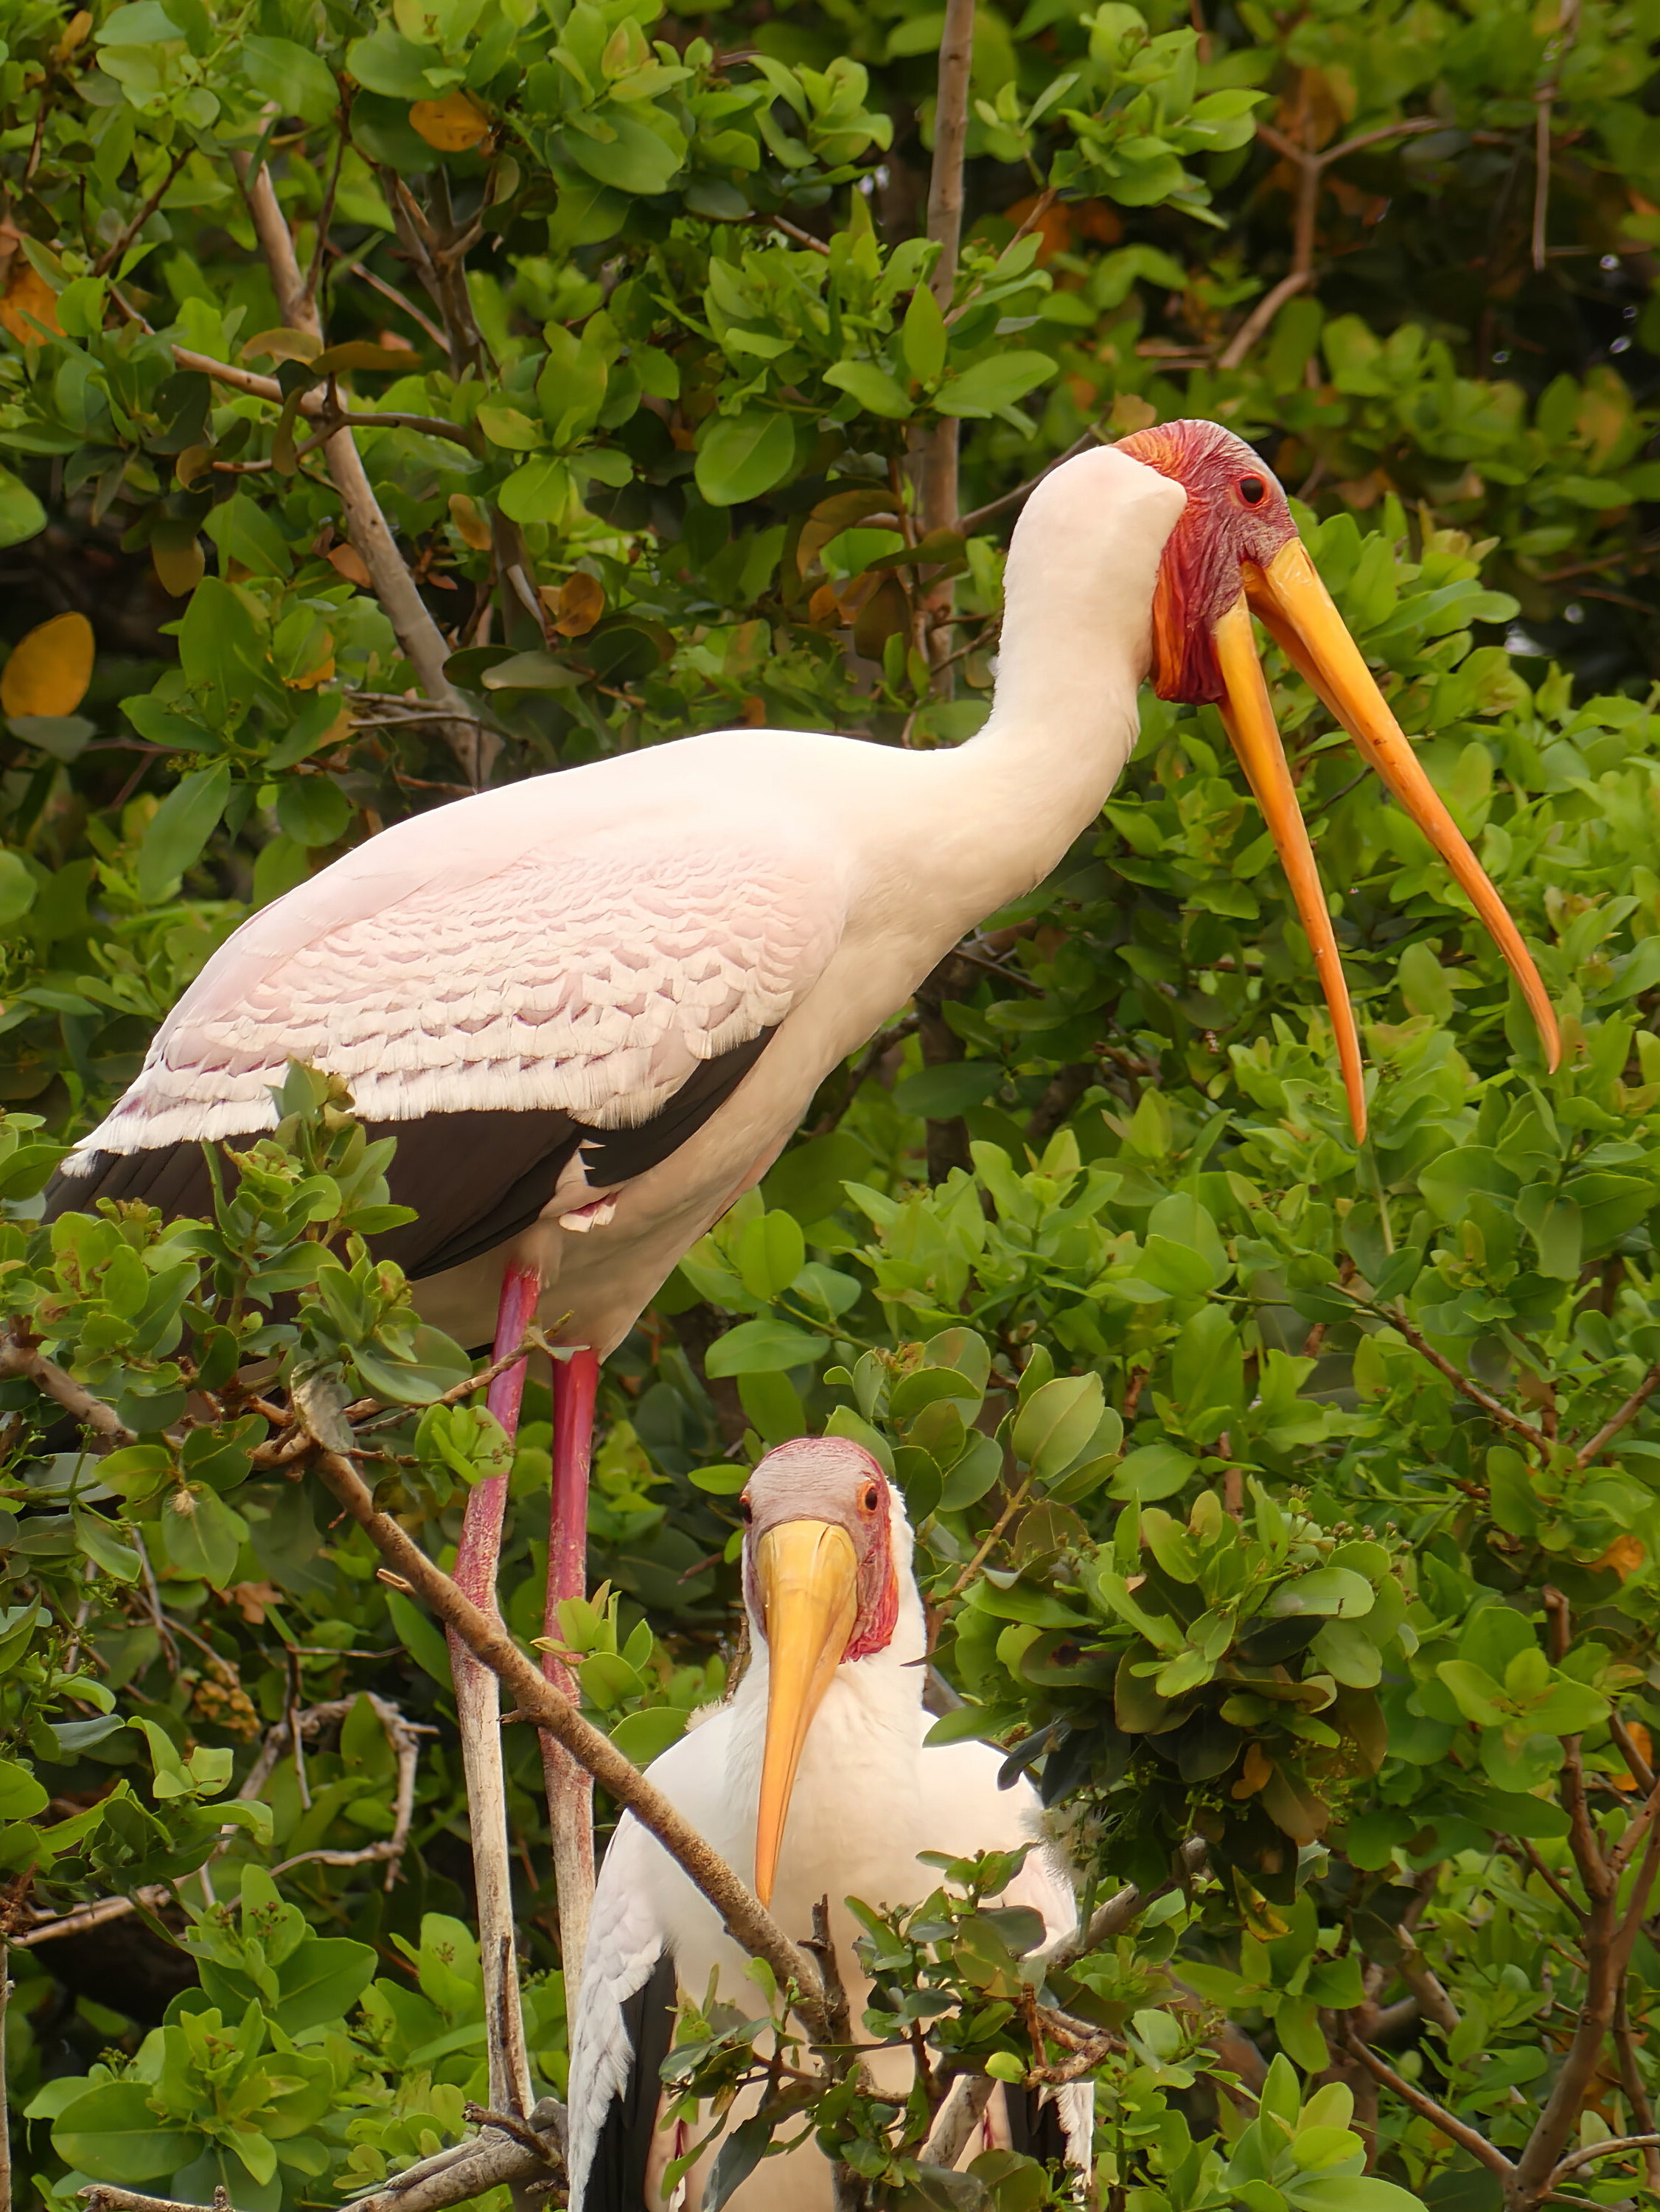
[{"x": 594, "y": 981}]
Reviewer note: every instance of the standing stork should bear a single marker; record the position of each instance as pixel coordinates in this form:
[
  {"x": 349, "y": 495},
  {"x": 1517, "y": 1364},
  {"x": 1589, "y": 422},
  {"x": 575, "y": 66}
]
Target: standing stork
[
  {"x": 592, "y": 1006},
  {"x": 814, "y": 1772}
]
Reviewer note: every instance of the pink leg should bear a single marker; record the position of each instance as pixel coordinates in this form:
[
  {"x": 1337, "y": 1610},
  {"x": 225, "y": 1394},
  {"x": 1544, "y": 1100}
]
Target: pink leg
[
  {"x": 570, "y": 1787},
  {"x": 478, "y": 1709}
]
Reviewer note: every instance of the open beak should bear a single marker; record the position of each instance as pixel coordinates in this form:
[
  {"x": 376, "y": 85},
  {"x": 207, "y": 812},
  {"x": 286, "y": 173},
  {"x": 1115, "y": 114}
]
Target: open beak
[
  {"x": 1295, "y": 608},
  {"x": 809, "y": 1573}
]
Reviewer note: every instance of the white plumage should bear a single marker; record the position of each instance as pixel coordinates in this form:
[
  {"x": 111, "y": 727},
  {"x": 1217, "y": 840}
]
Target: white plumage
[
  {"x": 867, "y": 1797},
  {"x": 585, "y": 940}
]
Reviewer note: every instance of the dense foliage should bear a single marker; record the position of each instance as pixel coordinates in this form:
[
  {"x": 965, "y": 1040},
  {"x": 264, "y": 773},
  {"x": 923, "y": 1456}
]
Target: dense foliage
[{"x": 1294, "y": 1498}]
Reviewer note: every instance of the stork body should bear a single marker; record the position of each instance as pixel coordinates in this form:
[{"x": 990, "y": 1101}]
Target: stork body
[
  {"x": 867, "y": 1798},
  {"x": 628, "y": 979}
]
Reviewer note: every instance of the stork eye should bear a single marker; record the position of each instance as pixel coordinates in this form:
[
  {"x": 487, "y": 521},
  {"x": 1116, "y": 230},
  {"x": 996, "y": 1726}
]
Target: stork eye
[
  {"x": 871, "y": 1499},
  {"x": 746, "y": 1512},
  {"x": 1252, "y": 489}
]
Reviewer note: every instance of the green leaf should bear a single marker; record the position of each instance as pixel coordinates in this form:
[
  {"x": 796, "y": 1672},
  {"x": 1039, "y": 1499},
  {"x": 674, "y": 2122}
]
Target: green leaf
[
  {"x": 21, "y": 515},
  {"x": 645, "y": 1736},
  {"x": 112, "y": 2134},
  {"x": 1057, "y": 1422},
  {"x": 1151, "y": 1472},
  {"x": 875, "y": 390},
  {"x": 771, "y": 1254},
  {"x": 1333, "y": 1591},
  {"x": 1354, "y": 2192},
  {"x": 742, "y": 456},
  {"x": 633, "y": 158},
  {"x": 313, "y": 810},
  {"x": 202, "y": 1534},
  {"x": 425, "y": 1644},
  {"x": 294, "y": 77},
  {"x": 20, "y": 1796},
  {"x": 180, "y": 827},
  {"x": 923, "y": 336},
  {"x": 764, "y": 1347},
  {"x": 18, "y": 888},
  {"x": 994, "y": 384}
]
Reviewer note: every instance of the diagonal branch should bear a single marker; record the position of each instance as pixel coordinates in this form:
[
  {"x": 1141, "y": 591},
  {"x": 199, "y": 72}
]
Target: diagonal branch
[
  {"x": 746, "y": 1920},
  {"x": 394, "y": 586},
  {"x": 1461, "y": 1382},
  {"x": 1455, "y": 2130},
  {"x": 25, "y": 1360},
  {"x": 1628, "y": 1414}
]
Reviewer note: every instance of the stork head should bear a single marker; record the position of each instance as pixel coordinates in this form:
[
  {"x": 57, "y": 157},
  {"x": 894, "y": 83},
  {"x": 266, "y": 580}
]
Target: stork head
[
  {"x": 1234, "y": 552},
  {"x": 821, "y": 1583}
]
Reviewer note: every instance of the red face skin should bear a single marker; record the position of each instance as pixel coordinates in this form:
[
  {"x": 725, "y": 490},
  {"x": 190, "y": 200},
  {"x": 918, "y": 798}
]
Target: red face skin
[
  {"x": 830, "y": 1479},
  {"x": 1236, "y": 518}
]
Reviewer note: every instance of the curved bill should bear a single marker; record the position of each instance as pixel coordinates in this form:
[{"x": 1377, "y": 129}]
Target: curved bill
[
  {"x": 1248, "y": 715},
  {"x": 808, "y": 1572},
  {"x": 1295, "y": 608}
]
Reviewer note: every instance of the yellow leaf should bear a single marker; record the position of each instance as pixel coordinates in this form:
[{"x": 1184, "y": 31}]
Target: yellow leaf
[
  {"x": 452, "y": 124},
  {"x": 282, "y": 345},
  {"x": 28, "y": 294},
  {"x": 50, "y": 668},
  {"x": 178, "y": 564},
  {"x": 190, "y": 464},
  {"x": 346, "y": 560},
  {"x": 1625, "y": 1555},
  {"x": 1257, "y": 1769},
  {"x": 577, "y": 605},
  {"x": 314, "y": 676},
  {"x": 471, "y": 526}
]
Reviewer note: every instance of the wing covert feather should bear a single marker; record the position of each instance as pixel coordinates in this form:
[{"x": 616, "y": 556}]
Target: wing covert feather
[{"x": 593, "y": 982}]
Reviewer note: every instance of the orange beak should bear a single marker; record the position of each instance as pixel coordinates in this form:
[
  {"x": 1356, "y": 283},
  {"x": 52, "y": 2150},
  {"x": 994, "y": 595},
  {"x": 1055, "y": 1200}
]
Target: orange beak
[
  {"x": 1296, "y": 609},
  {"x": 809, "y": 1573}
]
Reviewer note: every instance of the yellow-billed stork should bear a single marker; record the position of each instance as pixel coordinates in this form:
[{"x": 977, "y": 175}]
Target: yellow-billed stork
[{"x": 815, "y": 1773}]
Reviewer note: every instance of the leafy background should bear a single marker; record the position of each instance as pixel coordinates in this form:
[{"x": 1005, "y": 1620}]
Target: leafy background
[{"x": 1271, "y": 1493}]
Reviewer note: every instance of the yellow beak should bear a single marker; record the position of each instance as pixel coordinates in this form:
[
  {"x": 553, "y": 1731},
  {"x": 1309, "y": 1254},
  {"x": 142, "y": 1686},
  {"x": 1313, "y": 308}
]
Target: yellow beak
[
  {"x": 808, "y": 1576},
  {"x": 1296, "y": 609}
]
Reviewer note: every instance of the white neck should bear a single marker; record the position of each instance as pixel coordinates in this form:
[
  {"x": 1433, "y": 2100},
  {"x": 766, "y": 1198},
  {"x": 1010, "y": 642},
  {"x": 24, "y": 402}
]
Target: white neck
[{"x": 1076, "y": 644}]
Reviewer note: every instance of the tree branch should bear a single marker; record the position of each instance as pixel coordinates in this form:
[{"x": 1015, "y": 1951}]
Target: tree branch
[
  {"x": 74, "y": 1397},
  {"x": 1460, "y": 1381},
  {"x": 938, "y": 472},
  {"x": 956, "y": 2120},
  {"x": 1261, "y": 316},
  {"x": 746, "y": 1918},
  {"x": 1469, "y": 2138},
  {"x": 1628, "y": 1414},
  {"x": 419, "y": 635},
  {"x": 1578, "y": 2158},
  {"x": 1121, "y": 1912}
]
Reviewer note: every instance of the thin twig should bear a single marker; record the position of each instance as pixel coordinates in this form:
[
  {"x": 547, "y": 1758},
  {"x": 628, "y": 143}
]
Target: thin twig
[
  {"x": 27, "y": 1361},
  {"x": 347, "y": 267},
  {"x": 1578, "y": 2158},
  {"x": 1568, "y": 28},
  {"x": 1261, "y": 316},
  {"x": 1628, "y": 1414},
  {"x": 112, "y": 254},
  {"x": 746, "y": 1918},
  {"x": 1460, "y": 1381},
  {"x": 1467, "y": 2138}
]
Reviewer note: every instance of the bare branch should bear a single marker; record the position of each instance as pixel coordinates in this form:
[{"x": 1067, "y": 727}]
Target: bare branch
[
  {"x": 1578, "y": 2158},
  {"x": 746, "y": 1918},
  {"x": 1628, "y": 1414},
  {"x": 418, "y": 634},
  {"x": 936, "y": 477},
  {"x": 1121, "y": 1912},
  {"x": 1460, "y": 1381},
  {"x": 1261, "y": 316},
  {"x": 1428, "y": 1990},
  {"x": 16, "y": 1359},
  {"x": 1469, "y": 2138},
  {"x": 956, "y": 2120}
]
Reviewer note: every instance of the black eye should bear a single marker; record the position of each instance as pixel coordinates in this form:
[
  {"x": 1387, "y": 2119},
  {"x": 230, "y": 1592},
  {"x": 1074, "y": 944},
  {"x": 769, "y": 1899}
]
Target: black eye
[
  {"x": 746, "y": 1512},
  {"x": 869, "y": 1500},
  {"x": 1251, "y": 489}
]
